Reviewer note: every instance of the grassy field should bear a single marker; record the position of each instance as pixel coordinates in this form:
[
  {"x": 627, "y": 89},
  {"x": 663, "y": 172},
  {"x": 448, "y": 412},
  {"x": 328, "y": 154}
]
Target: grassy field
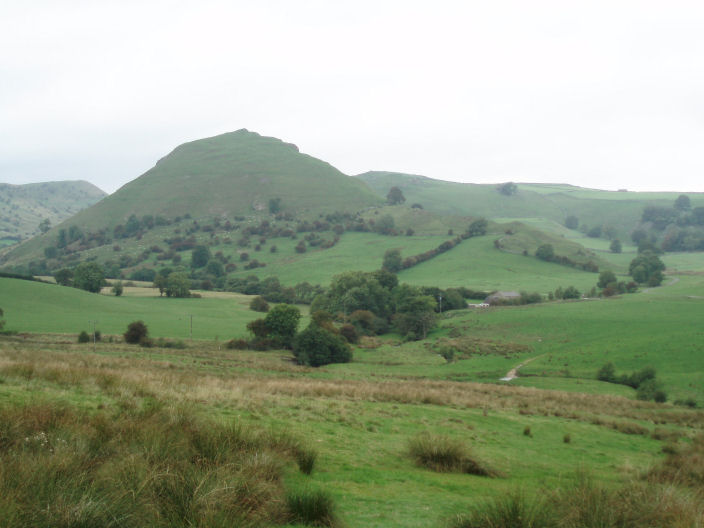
[
  {"x": 361, "y": 427},
  {"x": 36, "y": 307},
  {"x": 476, "y": 263},
  {"x": 536, "y": 431}
]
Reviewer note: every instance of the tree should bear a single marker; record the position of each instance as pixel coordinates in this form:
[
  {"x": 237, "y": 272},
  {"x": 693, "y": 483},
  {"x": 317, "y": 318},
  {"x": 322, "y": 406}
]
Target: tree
[
  {"x": 44, "y": 225},
  {"x": 478, "y": 227},
  {"x": 682, "y": 203},
  {"x": 545, "y": 252},
  {"x": 392, "y": 260},
  {"x": 282, "y": 322},
  {"x": 606, "y": 278},
  {"x": 615, "y": 246},
  {"x": 385, "y": 225},
  {"x": 178, "y": 285},
  {"x": 416, "y": 316},
  {"x": 508, "y": 188},
  {"x": 274, "y": 205},
  {"x": 64, "y": 277},
  {"x": 316, "y": 346},
  {"x": 215, "y": 268},
  {"x": 571, "y": 293},
  {"x": 117, "y": 288},
  {"x": 200, "y": 256},
  {"x": 136, "y": 331},
  {"x": 647, "y": 267},
  {"x": 89, "y": 276},
  {"x": 395, "y": 196},
  {"x": 607, "y": 373},
  {"x": 161, "y": 281},
  {"x": 639, "y": 235},
  {"x": 594, "y": 232},
  {"x": 259, "y": 304},
  {"x": 571, "y": 222}
]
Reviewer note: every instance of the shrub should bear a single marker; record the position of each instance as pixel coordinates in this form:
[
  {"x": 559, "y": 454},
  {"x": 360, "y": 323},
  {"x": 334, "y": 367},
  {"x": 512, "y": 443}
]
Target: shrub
[
  {"x": 282, "y": 322},
  {"x": 259, "y": 304},
  {"x": 311, "y": 507},
  {"x": 237, "y": 344},
  {"x": 607, "y": 373},
  {"x": 527, "y": 431},
  {"x": 117, "y": 288},
  {"x": 567, "y": 438},
  {"x": 83, "y": 337},
  {"x": 167, "y": 343},
  {"x": 446, "y": 455},
  {"x": 349, "y": 332},
  {"x": 316, "y": 347},
  {"x": 146, "y": 342},
  {"x": 136, "y": 331}
]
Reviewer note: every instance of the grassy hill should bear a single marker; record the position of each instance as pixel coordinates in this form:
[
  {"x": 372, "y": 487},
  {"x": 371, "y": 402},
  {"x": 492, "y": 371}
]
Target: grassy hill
[
  {"x": 226, "y": 176},
  {"x": 22, "y": 207},
  {"x": 618, "y": 209}
]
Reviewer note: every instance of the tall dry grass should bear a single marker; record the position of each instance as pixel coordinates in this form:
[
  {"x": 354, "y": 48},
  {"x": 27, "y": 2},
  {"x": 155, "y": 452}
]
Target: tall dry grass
[{"x": 148, "y": 466}]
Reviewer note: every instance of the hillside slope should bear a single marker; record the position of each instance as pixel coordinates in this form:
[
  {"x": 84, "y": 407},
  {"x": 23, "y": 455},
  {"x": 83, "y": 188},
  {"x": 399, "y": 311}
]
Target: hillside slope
[
  {"x": 619, "y": 210},
  {"x": 229, "y": 175},
  {"x": 226, "y": 176},
  {"x": 22, "y": 207}
]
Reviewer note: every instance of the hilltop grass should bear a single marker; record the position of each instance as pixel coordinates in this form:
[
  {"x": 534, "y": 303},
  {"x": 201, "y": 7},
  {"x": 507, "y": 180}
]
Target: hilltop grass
[{"x": 554, "y": 202}]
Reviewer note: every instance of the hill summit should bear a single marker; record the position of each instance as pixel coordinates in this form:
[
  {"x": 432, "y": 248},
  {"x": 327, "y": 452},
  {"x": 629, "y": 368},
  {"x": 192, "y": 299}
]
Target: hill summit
[{"x": 236, "y": 173}]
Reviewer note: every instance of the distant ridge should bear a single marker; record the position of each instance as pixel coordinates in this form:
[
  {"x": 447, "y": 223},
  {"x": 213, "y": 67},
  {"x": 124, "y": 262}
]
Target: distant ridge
[{"x": 22, "y": 207}]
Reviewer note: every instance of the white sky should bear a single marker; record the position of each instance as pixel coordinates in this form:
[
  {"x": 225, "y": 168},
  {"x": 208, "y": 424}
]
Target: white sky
[{"x": 604, "y": 94}]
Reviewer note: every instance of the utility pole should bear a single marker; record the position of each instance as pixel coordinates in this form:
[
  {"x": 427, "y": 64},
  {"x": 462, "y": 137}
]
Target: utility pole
[
  {"x": 191, "y": 327},
  {"x": 440, "y": 300},
  {"x": 94, "y": 322}
]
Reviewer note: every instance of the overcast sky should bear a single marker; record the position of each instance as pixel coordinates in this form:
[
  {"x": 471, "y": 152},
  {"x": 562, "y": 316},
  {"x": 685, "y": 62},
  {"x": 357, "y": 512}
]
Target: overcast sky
[{"x": 599, "y": 94}]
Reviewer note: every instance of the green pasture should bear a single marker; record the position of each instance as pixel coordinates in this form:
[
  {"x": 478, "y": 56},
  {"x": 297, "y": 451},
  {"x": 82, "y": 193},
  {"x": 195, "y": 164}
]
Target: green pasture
[
  {"x": 660, "y": 327},
  {"x": 476, "y": 263},
  {"x": 362, "y": 443},
  {"x": 37, "y": 307}
]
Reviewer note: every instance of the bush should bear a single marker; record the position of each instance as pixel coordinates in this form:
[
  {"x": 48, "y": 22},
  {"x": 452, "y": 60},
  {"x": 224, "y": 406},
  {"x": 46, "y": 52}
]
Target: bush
[
  {"x": 311, "y": 507},
  {"x": 237, "y": 344},
  {"x": 136, "y": 331},
  {"x": 349, "y": 332},
  {"x": 117, "y": 288},
  {"x": 282, "y": 322},
  {"x": 83, "y": 337},
  {"x": 445, "y": 455},
  {"x": 259, "y": 304},
  {"x": 315, "y": 347}
]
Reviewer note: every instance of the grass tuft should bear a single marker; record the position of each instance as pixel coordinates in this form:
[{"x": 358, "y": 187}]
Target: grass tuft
[
  {"x": 446, "y": 455},
  {"x": 136, "y": 466},
  {"x": 312, "y": 508}
]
